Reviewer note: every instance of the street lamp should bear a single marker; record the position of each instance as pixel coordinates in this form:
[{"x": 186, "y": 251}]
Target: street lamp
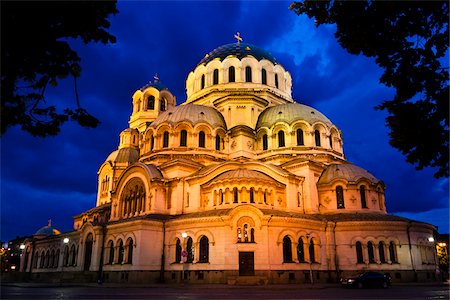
[{"x": 65, "y": 242}]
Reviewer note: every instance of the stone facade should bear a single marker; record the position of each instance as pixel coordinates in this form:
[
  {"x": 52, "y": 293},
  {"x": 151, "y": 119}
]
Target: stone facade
[{"x": 240, "y": 183}]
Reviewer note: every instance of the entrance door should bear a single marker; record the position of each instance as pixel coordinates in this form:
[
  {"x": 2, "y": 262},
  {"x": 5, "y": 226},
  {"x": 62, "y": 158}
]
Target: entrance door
[
  {"x": 88, "y": 252},
  {"x": 246, "y": 264}
]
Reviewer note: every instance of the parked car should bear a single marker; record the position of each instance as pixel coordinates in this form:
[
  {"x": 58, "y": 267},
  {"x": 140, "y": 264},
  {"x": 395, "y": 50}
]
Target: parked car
[{"x": 367, "y": 279}]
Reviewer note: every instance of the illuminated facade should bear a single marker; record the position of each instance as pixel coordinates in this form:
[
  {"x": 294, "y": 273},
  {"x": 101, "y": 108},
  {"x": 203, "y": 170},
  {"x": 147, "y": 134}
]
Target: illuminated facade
[{"x": 238, "y": 184}]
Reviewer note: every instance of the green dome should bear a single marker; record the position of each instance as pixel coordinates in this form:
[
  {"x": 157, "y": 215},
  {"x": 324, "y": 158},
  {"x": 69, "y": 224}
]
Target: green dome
[{"x": 239, "y": 50}]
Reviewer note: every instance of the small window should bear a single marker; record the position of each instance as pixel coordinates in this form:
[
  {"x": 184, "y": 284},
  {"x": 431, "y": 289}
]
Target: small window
[
  {"x": 203, "y": 81},
  {"x": 359, "y": 253},
  {"x": 362, "y": 192},
  {"x": 300, "y": 250},
  {"x": 281, "y": 142},
  {"x": 201, "y": 139},
  {"x": 312, "y": 254},
  {"x": 151, "y": 102},
  {"x": 130, "y": 252},
  {"x": 217, "y": 142},
  {"x": 287, "y": 249},
  {"x": 204, "y": 250},
  {"x": 162, "y": 105},
  {"x": 235, "y": 195},
  {"x": 331, "y": 141},
  {"x": 252, "y": 195},
  {"x": 370, "y": 253},
  {"x": 340, "y": 197},
  {"x": 263, "y": 76},
  {"x": 265, "y": 142},
  {"x": 317, "y": 137},
  {"x": 392, "y": 255},
  {"x": 248, "y": 74},
  {"x": 166, "y": 139},
  {"x": 381, "y": 252},
  {"x": 190, "y": 250},
  {"x": 183, "y": 138},
  {"x": 121, "y": 252},
  {"x": 276, "y": 80},
  {"x": 231, "y": 74},
  {"x": 216, "y": 76},
  {"x": 300, "y": 141},
  {"x": 152, "y": 142}
]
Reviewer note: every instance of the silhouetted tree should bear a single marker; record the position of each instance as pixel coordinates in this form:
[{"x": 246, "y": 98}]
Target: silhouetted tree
[
  {"x": 35, "y": 54},
  {"x": 408, "y": 39}
]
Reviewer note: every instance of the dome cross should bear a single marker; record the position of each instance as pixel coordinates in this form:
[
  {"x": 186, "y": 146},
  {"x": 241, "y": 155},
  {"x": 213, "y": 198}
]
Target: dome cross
[{"x": 238, "y": 37}]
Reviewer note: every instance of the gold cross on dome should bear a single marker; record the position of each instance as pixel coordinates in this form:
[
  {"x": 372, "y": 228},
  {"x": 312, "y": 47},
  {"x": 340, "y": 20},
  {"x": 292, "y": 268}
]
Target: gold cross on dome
[
  {"x": 237, "y": 36},
  {"x": 155, "y": 78}
]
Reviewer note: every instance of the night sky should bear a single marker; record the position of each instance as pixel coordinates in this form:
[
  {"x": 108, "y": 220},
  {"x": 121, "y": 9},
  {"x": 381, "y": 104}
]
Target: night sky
[{"x": 56, "y": 178}]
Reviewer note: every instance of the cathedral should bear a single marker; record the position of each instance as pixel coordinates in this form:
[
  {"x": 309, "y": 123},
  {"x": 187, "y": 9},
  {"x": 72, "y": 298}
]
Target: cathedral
[{"x": 239, "y": 184}]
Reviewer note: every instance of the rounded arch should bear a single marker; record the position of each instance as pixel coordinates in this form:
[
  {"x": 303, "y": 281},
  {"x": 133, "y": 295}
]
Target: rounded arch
[
  {"x": 204, "y": 232},
  {"x": 286, "y": 232}
]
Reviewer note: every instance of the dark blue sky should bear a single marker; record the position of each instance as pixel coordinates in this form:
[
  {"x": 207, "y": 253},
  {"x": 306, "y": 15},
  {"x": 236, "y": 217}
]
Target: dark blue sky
[{"x": 56, "y": 178}]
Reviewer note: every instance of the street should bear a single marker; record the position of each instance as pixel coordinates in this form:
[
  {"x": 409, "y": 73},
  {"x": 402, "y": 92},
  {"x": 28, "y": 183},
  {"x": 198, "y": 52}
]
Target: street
[{"x": 222, "y": 292}]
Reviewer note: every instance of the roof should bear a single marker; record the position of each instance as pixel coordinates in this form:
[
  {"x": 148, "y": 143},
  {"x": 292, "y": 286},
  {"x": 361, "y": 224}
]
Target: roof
[
  {"x": 348, "y": 172},
  {"x": 238, "y": 50},
  {"x": 243, "y": 173},
  {"x": 156, "y": 84},
  {"x": 290, "y": 113},
  {"x": 47, "y": 230},
  {"x": 193, "y": 114},
  {"x": 128, "y": 155}
]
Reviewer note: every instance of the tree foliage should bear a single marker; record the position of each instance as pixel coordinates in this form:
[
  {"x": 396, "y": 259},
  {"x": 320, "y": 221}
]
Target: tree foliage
[
  {"x": 408, "y": 39},
  {"x": 35, "y": 54}
]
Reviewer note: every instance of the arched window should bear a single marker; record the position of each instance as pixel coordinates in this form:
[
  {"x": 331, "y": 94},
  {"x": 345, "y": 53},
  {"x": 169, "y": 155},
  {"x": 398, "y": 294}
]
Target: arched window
[
  {"x": 166, "y": 139},
  {"x": 56, "y": 264},
  {"x": 66, "y": 256},
  {"x": 73, "y": 256},
  {"x": 281, "y": 142},
  {"x": 239, "y": 235},
  {"x": 312, "y": 254},
  {"x": 300, "y": 141},
  {"x": 201, "y": 139},
  {"x": 263, "y": 76},
  {"x": 217, "y": 142},
  {"x": 245, "y": 233},
  {"x": 252, "y": 235},
  {"x": 370, "y": 253},
  {"x": 190, "y": 250},
  {"x": 276, "y": 80},
  {"x": 340, "y": 197},
  {"x": 331, "y": 141},
  {"x": 203, "y": 81},
  {"x": 221, "y": 196},
  {"x": 41, "y": 262},
  {"x": 300, "y": 250},
  {"x": 381, "y": 252},
  {"x": 111, "y": 252},
  {"x": 178, "y": 251},
  {"x": 52, "y": 259},
  {"x": 162, "y": 104},
  {"x": 204, "y": 250},
  {"x": 317, "y": 137},
  {"x": 231, "y": 74},
  {"x": 130, "y": 251},
  {"x": 362, "y": 192},
  {"x": 359, "y": 253},
  {"x": 248, "y": 74},
  {"x": 252, "y": 195},
  {"x": 216, "y": 76},
  {"x": 265, "y": 142},
  {"x": 287, "y": 249},
  {"x": 235, "y": 195},
  {"x": 392, "y": 256},
  {"x": 151, "y": 102},
  {"x": 183, "y": 138},
  {"x": 152, "y": 142},
  {"x": 121, "y": 252}
]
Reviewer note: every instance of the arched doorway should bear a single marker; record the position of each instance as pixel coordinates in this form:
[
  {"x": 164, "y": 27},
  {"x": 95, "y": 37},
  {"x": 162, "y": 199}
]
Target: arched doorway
[{"x": 88, "y": 251}]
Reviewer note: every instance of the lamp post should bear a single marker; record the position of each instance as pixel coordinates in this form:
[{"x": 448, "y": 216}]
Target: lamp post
[{"x": 65, "y": 242}]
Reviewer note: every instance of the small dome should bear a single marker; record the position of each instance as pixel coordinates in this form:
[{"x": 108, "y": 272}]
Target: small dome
[
  {"x": 238, "y": 50},
  {"x": 348, "y": 172},
  {"x": 193, "y": 114},
  {"x": 290, "y": 113},
  {"x": 124, "y": 155},
  {"x": 157, "y": 85},
  {"x": 46, "y": 231},
  {"x": 243, "y": 173}
]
